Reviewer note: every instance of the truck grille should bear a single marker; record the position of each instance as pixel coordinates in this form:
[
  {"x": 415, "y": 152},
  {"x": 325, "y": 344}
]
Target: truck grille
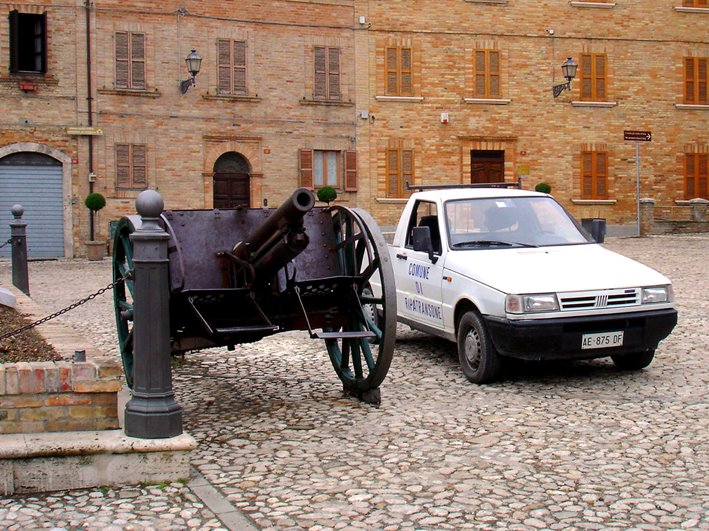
[{"x": 598, "y": 300}]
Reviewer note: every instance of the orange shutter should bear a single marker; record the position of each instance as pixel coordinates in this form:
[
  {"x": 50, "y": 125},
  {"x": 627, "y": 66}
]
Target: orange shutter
[
  {"x": 137, "y": 63},
  {"x": 479, "y": 74},
  {"x": 392, "y": 87},
  {"x": 306, "y": 168},
  {"x": 140, "y": 173},
  {"x": 703, "y": 175},
  {"x": 240, "y": 67},
  {"x": 320, "y": 80},
  {"x": 224, "y": 66},
  {"x": 392, "y": 173},
  {"x": 586, "y": 77},
  {"x": 601, "y": 175},
  {"x": 122, "y": 166},
  {"x": 587, "y": 175},
  {"x": 407, "y": 169},
  {"x": 600, "y": 77},
  {"x": 702, "y": 80},
  {"x": 350, "y": 171},
  {"x": 494, "y": 70},
  {"x": 689, "y": 80},
  {"x": 333, "y": 79},
  {"x": 689, "y": 180},
  {"x": 122, "y": 60},
  {"x": 405, "y": 68}
]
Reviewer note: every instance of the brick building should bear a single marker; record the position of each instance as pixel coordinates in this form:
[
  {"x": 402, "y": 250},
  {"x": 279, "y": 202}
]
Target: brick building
[{"x": 360, "y": 94}]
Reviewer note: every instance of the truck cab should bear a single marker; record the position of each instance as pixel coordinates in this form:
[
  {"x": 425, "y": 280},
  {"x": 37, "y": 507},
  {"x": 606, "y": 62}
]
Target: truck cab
[{"x": 511, "y": 274}]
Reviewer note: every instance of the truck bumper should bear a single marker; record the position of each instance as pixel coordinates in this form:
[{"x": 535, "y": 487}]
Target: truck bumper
[{"x": 547, "y": 339}]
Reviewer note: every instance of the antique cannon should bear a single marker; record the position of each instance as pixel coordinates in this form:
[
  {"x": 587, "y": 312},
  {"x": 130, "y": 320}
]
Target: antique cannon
[{"x": 239, "y": 275}]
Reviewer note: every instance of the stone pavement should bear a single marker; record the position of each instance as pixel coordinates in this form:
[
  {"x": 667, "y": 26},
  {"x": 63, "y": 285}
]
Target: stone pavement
[{"x": 577, "y": 445}]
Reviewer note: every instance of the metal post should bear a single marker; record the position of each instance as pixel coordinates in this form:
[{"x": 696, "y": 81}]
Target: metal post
[
  {"x": 637, "y": 183},
  {"x": 18, "y": 234},
  {"x": 152, "y": 412}
]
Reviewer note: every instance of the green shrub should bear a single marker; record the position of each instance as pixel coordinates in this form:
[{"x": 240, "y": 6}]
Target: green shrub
[
  {"x": 543, "y": 188},
  {"x": 326, "y": 194},
  {"x": 95, "y": 202}
]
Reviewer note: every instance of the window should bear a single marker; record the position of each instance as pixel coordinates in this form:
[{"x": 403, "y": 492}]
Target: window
[
  {"x": 486, "y": 72},
  {"x": 398, "y": 72},
  {"x": 696, "y": 175},
  {"x": 231, "y": 67},
  {"x": 594, "y": 175},
  {"x": 399, "y": 170},
  {"x": 130, "y": 60},
  {"x": 131, "y": 166},
  {"x": 695, "y": 80},
  {"x": 320, "y": 168},
  {"x": 695, "y": 3},
  {"x": 28, "y": 42},
  {"x": 593, "y": 76},
  {"x": 326, "y": 83}
]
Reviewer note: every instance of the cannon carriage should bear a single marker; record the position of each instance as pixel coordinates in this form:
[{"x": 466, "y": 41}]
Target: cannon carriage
[{"x": 239, "y": 275}]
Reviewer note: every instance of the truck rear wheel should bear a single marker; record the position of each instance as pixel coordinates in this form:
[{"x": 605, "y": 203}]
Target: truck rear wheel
[
  {"x": 635, "y": 360},
  {"x": 478, "y": 358}
]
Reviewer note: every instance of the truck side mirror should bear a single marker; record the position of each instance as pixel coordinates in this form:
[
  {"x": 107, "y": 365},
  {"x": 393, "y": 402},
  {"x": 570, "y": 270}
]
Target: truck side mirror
[{"x": 421, "y": 240}]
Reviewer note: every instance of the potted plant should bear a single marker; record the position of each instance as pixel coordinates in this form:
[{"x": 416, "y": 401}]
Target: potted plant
[
  {"x": 544, "y": 188},
  {"x": 326, "y": 194},
  {"x": 95, "y": 250}
]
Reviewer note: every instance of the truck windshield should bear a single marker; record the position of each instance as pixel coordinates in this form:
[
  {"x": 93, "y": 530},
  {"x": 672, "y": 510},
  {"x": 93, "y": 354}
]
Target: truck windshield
[{"x": 503, "y": 222}]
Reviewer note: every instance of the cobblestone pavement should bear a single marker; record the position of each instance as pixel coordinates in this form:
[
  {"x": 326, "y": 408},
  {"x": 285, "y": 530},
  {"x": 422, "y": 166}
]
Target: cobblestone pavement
[{"x": 571, "y": 445}]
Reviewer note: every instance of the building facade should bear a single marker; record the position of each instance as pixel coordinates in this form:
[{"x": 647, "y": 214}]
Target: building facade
[{"x": 362, "y": 95}]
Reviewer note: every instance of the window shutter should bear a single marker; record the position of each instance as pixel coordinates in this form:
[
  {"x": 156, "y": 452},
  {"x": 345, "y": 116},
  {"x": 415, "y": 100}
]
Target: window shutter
[
  {"x": 601, "y": 174},
  {"x": 391, "y": 78},
  {"x": 702, "y": 79},
  {"x": 137, "y": 60},
  {"x": 587, "y": 174},
  {"x": 140, "y": 177},
  {"x": 586, "y": 76},
  {"x": 703, "y": 175},
  {"x": 14, "y": 41},
  {"x": 689, "y": 176},
  {"x": 600, "y": 81},
  {"x": 41, "y": 36},
  {"x": 306, "y": 168},
  {"x": 122, "y": 166},
  {"x": 350, "y": 171},
  {"x": 392, "y": 173},
  {"x": 480, "y": 74},
  {"x": 407, "y": 168},
  {"x": 689, "y": 79},
  {"x": 494, "y": 68},
  {"x": 320, "y": 66},
  {"x": 333, "y": 79},
  {"x": 224, "y": 66},
  {"x": 240, "y": 67},
  {"x": 122, "y": 60},
  {"x": 406, "y": 82}
]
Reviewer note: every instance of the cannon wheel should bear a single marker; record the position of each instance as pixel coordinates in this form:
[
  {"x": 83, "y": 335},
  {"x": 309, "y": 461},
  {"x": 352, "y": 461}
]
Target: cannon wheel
[
  {"x": 123, "y": 291},
  {"x": 362, "y": 363}
]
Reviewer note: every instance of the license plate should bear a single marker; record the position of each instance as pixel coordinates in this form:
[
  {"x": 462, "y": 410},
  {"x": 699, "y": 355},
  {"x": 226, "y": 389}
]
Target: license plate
[{"x": 602, "y": 340}]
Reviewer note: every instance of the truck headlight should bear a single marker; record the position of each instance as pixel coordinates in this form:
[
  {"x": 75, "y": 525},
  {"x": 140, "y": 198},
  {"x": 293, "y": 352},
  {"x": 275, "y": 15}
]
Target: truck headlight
[
  {"x": 657, "y": 294},
  {"x": 543, "y": 302}
]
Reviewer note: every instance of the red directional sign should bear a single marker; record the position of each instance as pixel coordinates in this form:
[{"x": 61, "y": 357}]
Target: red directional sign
[{"x": 637, "y": 136}]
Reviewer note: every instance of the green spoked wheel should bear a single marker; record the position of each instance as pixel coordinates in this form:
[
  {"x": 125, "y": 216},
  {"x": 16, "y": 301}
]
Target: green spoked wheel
[
  {"x": 362, "y": 361},
  {"x": 123, "y": 291}
]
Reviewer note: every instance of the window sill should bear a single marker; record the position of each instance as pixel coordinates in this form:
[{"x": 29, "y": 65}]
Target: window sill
[
  {"x": 597, "y": 5},
  {"x": 488, "y": 101},
  {"x": 131, "y": 92},
  {"x": 330, "y": 103},
  {"x": 594, "y": 201},
  {"x": 231, "y": 97},
  {"x": 692, "y": 106},
  {"x": 30, "y": 77},
  {"x": 409, "y": 99},
  {"x": 683, "y": 9},
  {"x": 498, "y": 2},
  {"x": 392, "y": 200},
  {"x": 600, "y": 104}
]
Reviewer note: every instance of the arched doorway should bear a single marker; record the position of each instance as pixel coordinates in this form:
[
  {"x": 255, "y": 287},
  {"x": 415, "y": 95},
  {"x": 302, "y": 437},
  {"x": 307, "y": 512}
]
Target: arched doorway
[
  {"x": 35, "y": 181},
  {"x": 232, "y": 182}
]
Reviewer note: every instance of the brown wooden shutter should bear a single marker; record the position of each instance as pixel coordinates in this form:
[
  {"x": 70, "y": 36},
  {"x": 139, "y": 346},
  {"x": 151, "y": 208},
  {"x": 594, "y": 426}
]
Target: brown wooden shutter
[
  {"x": 689, "y": 79},
  {"x": 240, "y": 67},
  {"x": 137, "y": 61},
  {"x": 601, "y": 175},
  {"x": 392, "y": 87},
  {"x": 406, "y": 79},
  {"x": 333, "y": 77},
  {"x": 140, "y": 173},
  {"x": 320, "y": 69},
  {"x": 122, "y": 166},
  {"x": 350, "y": 171},
  {"x": 600, "y": 77},
  {"x": 702, "y": 80},
  {"x": 494, "y": 69},
  {"x": 224, "y": 66},
  {"x": 122, "y": 60},
  {"x": 703, "y": 175},
  {"x": 392, "y": 173},
  {"x": 689, "y": 168},
  {"x": 407, "y": 169},
  {"x": 479, "y": 74},
  {"x": 587, "y": 174},
  {"x": 41, "y": 36},
  {"x": 586, "y": 76},
  {"x": 14, "y": 41},
  {"x": 306, "y": 168}
]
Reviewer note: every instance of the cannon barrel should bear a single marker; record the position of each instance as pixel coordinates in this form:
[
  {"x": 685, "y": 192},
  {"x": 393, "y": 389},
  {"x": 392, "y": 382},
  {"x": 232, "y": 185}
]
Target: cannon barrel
[{"x": 280, "y": 238}]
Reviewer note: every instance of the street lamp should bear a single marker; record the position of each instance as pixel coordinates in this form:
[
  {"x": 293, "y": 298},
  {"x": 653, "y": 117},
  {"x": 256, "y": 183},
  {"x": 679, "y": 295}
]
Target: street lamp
[
  {"x": 193, "y": 61},
  {"x": 568, "y": 68}
]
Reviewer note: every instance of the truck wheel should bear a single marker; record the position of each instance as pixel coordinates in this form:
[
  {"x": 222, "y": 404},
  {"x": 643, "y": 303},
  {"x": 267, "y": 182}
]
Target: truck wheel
[
  {"x": 479, "y": 361},
  {"x": 635, "y": 360}
]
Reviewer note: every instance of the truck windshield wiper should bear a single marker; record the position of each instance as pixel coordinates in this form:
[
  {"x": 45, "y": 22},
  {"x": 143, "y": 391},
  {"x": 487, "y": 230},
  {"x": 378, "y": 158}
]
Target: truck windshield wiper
[{"x": 490, "y": 243}]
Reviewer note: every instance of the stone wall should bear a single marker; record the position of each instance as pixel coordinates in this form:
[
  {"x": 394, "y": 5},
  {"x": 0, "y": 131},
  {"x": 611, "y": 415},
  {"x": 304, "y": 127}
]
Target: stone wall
[{"x": 689, "y": 218}]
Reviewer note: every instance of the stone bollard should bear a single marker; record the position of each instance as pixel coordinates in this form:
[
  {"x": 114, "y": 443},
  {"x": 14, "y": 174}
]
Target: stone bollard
[
  {"x": 18, "y": 234},
  {"x": 699, "y": 209},
  {"x": 152, "y": 412},
  {"x": 647, "y": 216}
]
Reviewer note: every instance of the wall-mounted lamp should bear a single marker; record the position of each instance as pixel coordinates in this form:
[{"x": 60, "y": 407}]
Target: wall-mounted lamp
[
  {"x": 568, "y": 68},
  {"x": 194, "y": 61}
]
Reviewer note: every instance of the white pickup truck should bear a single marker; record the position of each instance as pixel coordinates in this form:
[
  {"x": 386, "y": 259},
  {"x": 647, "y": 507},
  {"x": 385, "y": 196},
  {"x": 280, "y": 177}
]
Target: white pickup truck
[{"x": 509, "y": 273}]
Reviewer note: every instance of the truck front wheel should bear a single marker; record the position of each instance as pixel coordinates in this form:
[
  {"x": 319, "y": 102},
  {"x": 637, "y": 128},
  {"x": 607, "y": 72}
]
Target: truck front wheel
[
  {"x": 634, "y": 361},
  {"x": 479, "y": 361}
]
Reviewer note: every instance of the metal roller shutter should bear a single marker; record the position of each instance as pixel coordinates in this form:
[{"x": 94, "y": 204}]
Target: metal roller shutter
[{"x": 39, "y": 190}]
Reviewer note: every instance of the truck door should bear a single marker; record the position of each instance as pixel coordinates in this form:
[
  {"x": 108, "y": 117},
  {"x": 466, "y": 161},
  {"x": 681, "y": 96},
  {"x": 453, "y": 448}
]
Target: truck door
[{"x": 419, "y": 280}]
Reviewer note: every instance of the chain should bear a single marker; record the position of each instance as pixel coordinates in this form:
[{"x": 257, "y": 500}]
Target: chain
[
  {"x": 3, "y": 244},
  {"x": 68, "y": 308}
]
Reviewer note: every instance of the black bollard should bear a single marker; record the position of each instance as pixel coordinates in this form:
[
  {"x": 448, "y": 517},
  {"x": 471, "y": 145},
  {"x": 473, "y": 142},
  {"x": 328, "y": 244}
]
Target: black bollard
[
  {"x": 18, "y": 234},
  {"x": 152, "y": 412}
]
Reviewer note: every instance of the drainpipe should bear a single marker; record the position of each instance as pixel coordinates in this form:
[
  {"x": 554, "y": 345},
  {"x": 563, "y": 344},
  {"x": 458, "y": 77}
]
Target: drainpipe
[{"x": 89, "y": 105}]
